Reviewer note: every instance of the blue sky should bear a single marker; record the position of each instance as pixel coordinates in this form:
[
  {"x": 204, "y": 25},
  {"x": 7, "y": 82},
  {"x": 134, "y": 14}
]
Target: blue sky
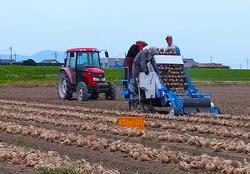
[{"x": 202, "y": 29}]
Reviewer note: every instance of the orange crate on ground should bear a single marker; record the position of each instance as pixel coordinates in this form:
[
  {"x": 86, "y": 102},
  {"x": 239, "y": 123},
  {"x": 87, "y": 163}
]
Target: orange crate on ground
[{"x": 131, "y": 122}]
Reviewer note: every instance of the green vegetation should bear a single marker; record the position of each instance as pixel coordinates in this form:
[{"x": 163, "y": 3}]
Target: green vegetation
[
  {"x": 18, "y": 74},
  {"x": 37, "y": 75},
  {"x": 114, "y": 74},
  {"x": 200, "y": 74}
]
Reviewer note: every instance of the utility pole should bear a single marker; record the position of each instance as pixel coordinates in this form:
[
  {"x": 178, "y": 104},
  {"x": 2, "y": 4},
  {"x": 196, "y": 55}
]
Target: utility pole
[
  {"x": 247, "y": 62},
  {"x": 55, "y": 55},
  {"x": 10, "y": 55},
  {"x": 15, "y": 57}
]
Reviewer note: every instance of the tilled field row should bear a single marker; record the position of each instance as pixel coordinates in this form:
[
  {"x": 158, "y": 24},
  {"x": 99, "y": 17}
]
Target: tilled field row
[
  {"x": 50, "y": 159},
  {"x": 136, "y": 151},
  {"x": 183, "y": 127},
  {"x": 201, "y": 119},
  {"x": 164, "y": 136},
  {"x": 222, "y": 120}
]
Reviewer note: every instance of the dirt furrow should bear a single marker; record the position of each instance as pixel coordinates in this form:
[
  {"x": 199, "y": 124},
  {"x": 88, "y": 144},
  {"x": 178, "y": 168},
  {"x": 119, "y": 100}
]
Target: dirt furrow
[
  {"x": 137, "y": 151},
  {"x": 134, "y": 135},
  {"x": 97, "y": 122}
]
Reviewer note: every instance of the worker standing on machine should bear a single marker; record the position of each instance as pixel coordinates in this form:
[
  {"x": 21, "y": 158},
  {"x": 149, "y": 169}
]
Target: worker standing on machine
[
  {"x": 132, "y": 52},
  {"x": 142, "y": 59},
  {"x": 171, "y": 48},
  {"x": 142, "y": 62}
]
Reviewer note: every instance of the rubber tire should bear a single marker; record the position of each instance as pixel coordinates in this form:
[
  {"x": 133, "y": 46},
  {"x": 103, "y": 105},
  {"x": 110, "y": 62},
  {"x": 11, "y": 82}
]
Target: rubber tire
[
  {"x": 94, "y": 96},
  {"x": 82, "y": 92},
  {"x": 68, "y": 94},
  {"x": 172, "y": 112},
  {"x": 218, "y": 110},
  {"x": 111, "y": 94}
]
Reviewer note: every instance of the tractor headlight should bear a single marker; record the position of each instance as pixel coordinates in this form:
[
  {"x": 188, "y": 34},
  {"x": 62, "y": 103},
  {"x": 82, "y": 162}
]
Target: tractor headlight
[{"x": 96, "y": 79}]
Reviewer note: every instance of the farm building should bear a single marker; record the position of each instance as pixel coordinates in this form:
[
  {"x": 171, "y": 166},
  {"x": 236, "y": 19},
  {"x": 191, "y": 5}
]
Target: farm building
[
  {"x": 189, "y": 63},
  {"x": 6, "y": 61},
  {"x": 112, "y": 62},
  {"x": 48, "y": 61}
]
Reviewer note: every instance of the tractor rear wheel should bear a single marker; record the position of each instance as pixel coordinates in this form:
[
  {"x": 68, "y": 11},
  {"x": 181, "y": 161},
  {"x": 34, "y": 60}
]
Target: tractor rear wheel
[
  {"x": 82, "y": 91},
  {"x": 64, "y": 86},
  {"x": 111, "y": 94}
]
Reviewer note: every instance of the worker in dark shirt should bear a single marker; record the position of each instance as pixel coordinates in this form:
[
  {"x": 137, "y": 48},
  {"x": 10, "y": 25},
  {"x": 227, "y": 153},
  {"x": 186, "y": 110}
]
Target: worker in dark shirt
[
  {"x": 132, "y": 52},
  {"x": 141, "y": 60}
]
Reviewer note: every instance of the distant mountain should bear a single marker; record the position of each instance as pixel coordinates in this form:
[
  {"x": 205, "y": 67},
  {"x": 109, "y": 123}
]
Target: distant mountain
[
  {"x": 38, "y": 57},
  {"x": 48, "y": 54}
]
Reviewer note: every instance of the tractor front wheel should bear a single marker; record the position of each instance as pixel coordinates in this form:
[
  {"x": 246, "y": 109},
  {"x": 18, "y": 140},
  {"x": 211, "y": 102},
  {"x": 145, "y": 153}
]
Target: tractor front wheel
[
  {"x": 111, "y": 94},
  {"x": 94, "y": 96},
  {"x": 64, "y": 86},
  {"x": 82, "y": 91}
]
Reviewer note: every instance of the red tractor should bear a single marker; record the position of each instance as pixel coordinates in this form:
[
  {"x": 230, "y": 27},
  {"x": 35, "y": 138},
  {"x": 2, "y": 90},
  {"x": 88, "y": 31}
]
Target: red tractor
[{"x": 82, "y": 74}]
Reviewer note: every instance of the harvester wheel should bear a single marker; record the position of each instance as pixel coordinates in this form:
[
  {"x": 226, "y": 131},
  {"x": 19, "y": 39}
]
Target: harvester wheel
[
  {"x": 215, "y": 111},
  {"x": 172, "y": 111},
  {"x": 82, "y": 91},
  {"x": 64, "y": 86},
  {"x": 111, "y": 94}
]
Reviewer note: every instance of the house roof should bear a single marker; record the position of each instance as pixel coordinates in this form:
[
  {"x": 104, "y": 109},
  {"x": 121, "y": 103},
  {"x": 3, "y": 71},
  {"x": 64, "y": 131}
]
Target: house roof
[
  {"x": 192, "y": 63},
  {"x": 212, "y": 65},
  {"x": 6, "y": 60},
  {"x": 81, "y": 49},
  {"x": 49, "y": 61}
]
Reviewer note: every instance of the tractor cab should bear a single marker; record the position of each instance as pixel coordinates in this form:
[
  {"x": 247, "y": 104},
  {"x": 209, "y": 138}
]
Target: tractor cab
[
  {"x": 85, "y": 65},
  {"x": 82, "y": 67}
]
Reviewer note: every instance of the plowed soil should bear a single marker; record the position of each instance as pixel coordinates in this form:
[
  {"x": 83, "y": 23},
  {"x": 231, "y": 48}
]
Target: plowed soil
[{"x": 233, "y": 100}]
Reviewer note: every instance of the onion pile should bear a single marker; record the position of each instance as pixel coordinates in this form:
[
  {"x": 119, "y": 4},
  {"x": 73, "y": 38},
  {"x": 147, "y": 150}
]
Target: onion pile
[
  {"x": 173, "y": 76},
  {"x": 186, "y": 127},
  {"x": 115, "y": 113},
  {"x": 136, "y": 151},
  {"x": 217, "y": 145},
  {"x": 38, "y": 159}
]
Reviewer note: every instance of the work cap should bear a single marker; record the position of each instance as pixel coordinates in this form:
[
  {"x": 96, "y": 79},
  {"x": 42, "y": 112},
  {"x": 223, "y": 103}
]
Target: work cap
[
  {"x": 140, "y": 42},
  {"x": 169, "y": 37}
]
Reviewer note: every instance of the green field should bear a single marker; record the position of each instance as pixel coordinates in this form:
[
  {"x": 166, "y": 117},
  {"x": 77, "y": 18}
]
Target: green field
[
  {"x": 204, "y": 74},
  {"x": 48, "y": 75},
  {"x": 27, "y": 74}
]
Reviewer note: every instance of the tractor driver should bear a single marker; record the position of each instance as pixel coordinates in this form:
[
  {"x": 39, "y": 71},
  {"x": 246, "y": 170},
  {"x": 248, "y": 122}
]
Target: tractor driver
[{"x": 171, "y": 48}]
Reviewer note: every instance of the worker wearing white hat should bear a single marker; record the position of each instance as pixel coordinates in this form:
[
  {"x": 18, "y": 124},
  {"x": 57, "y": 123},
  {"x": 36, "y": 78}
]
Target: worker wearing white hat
[{"x": 171, "y": 47}]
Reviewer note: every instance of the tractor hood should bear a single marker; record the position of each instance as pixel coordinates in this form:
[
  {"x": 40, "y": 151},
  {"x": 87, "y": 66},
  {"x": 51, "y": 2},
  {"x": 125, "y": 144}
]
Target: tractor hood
[{"x": 94, "y": 70}]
